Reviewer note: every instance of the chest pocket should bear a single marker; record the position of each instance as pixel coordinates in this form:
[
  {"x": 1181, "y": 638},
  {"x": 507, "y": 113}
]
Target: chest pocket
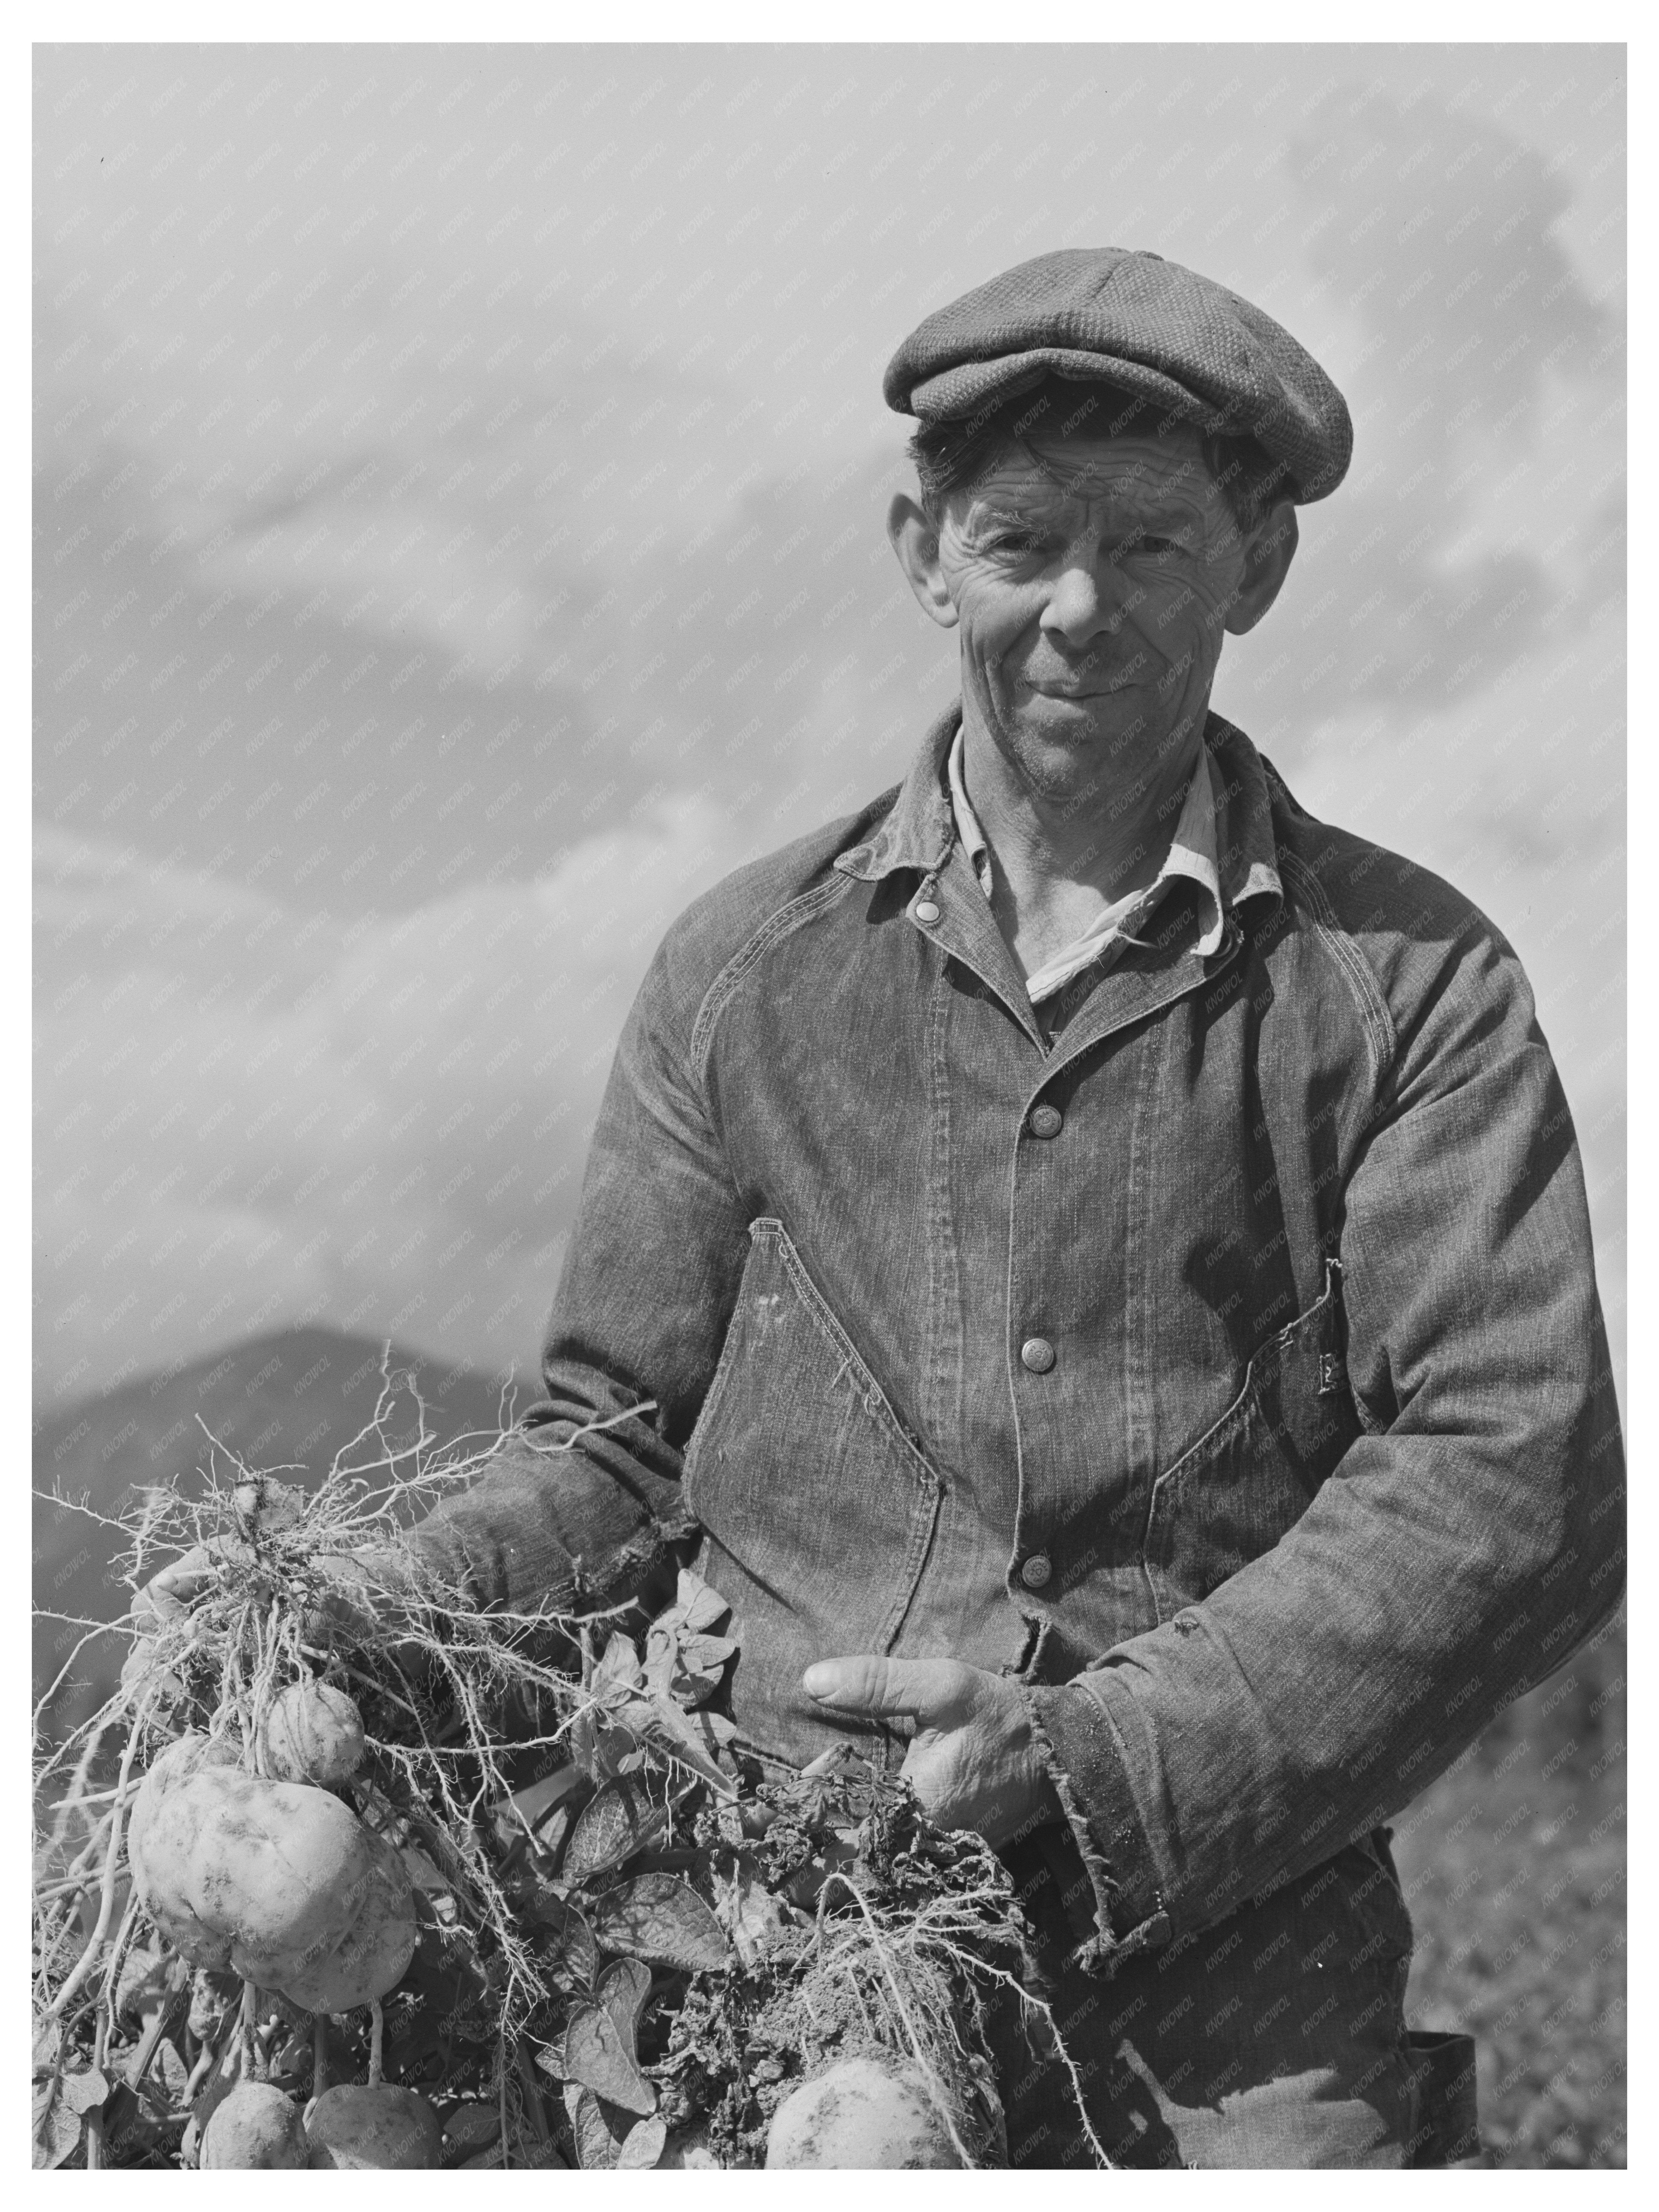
[
  {"x": 818, "y": 1510},
  {"x": 1250, "y": 1478}
]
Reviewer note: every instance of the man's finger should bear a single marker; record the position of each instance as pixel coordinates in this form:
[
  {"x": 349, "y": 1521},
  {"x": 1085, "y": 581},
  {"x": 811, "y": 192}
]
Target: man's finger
[
  {"x": 168, "y": 1593},
  {"x": 928, "y": 1690}
]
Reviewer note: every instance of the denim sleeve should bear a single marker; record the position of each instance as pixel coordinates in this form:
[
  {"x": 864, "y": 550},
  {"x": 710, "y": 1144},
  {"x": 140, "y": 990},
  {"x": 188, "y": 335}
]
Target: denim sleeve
[
  {"x": 1468, "y": 1541},
  {"x": 570, "y": 1513}
]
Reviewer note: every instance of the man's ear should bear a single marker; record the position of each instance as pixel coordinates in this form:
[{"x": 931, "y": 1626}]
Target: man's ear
[
  {"x": 1268, "y": 551},
  {"x": 915, "y": 541}
]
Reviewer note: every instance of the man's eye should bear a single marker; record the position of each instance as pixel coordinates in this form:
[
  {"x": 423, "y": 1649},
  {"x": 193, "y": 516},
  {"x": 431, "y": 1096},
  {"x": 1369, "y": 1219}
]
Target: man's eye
[{"x": 1018, "y": 545}]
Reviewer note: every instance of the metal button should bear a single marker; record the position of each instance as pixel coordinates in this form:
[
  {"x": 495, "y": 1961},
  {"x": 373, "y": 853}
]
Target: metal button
[
  {"x": 1037, "y": 1571},
  {"x": 1038, "y": 1354},
  {"x": 925, "y": 910},
  {"x": 1046, "y": 1121}
]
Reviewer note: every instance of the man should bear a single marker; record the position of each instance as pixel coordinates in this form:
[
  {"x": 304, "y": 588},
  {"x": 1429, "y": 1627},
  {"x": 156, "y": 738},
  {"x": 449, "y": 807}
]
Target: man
[{"x": 1099, "y": 1258}]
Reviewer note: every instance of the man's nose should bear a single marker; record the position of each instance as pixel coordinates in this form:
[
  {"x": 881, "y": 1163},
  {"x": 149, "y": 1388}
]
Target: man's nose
[{"x": 1087, "y": 600}]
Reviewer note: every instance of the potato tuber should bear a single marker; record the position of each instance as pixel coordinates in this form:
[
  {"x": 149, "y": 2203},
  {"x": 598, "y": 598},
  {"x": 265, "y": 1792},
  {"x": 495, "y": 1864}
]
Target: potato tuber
[
  {"x": 313, "y": 1732},
  {"x": 279, "y": 1880},
  {"x": 863, "y": 2114},
  {"x": 356, "y": 2126},
  {"x": 374, "y": 1953},
  {"x": 255, "y": 2126}
]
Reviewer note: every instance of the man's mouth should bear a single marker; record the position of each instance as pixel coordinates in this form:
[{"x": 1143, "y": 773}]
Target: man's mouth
[{"x": 1097, "y": 685}]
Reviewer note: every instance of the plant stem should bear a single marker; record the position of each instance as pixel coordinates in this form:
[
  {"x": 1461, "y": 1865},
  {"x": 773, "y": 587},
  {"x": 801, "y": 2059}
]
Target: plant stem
[
  {"x": 247, "y": 2041},
  {"x": 533, "y": 2097},
  {"x": 84, "y": 1964},
  {"x": 117, "y": 1960}
]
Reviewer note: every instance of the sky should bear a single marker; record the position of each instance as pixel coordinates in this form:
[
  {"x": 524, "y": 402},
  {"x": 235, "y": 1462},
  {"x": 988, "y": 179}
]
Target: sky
[{"x": 459, "y": 489}]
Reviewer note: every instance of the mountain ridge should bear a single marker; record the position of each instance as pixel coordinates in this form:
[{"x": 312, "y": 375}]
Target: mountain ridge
[{"x": 289, "y": 1399}]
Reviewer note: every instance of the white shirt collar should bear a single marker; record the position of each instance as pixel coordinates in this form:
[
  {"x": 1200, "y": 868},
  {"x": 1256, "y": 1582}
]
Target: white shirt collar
[{"x": 1192, "y": 854}]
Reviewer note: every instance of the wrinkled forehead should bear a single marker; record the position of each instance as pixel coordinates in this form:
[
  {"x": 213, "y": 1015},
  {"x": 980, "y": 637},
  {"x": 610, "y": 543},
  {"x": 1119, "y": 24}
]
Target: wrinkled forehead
[{"x": 1146, "y": 477}]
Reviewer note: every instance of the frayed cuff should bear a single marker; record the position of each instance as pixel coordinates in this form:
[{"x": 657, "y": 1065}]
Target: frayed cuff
[{"x": 1073, "y": 1739}]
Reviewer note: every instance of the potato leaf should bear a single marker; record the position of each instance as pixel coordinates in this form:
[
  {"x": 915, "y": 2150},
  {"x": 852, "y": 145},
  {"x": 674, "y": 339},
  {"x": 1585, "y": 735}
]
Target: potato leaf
[
  {"x": 423, "y": 1873},
  {"x": 699, "y": 1607},
  {"x": 643, "y": 2145},
  {"x": 684, "y": 1658},
  {"x": 596, "y": 2055},
  {"x": 706, "y": 1654},
  {"x": 714, "y": 1730},
  {"x": 659, "y": 1723},
  {"x": 48, "y": 2043},
  {"x": 597, "y": 2149},
  {"x": 538, "y": 1803},
  {"x": 56, "y": 2130},
  {"x": 618, "y": 1750},
  {"x": 659, "y": 1918},
  {"x": 57, "y": 2138},
  {"x": 173, "y": 2072},
  {"x": 625, "y": 1987},
  {"x": 619, "y": 1663},
  {"x": 470, "y": 2127},
  {"x": 606, "y": 2141},
  {"x": 681, "y": 1657},
  {"x": 572, "y": 1955},
  {"x": 82, "y": 2093},
  {"x": 618, "y": 1821}
]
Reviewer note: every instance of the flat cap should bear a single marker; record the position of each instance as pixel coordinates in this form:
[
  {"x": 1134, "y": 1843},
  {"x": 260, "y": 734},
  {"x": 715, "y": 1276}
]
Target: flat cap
[{"x": 1147, "y": 325}]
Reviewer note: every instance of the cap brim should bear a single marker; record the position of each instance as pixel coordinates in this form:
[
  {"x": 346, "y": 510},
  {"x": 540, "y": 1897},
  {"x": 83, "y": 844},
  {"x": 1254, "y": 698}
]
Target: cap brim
[{"x": 978, "y": 388}]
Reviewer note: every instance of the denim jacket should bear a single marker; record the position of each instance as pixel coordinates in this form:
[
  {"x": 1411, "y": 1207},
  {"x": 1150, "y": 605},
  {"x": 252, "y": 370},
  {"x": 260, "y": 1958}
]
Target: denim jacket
[{"x": 1219, "y": 1355}]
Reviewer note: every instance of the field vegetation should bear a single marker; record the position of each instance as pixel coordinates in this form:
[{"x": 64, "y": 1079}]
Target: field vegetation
[{"x": 1514, "y": 1866}]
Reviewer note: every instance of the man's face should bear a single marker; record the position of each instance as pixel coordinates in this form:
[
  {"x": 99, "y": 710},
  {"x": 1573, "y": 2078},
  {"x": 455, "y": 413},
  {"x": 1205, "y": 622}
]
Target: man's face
[{"x": 1093, "y": 583}]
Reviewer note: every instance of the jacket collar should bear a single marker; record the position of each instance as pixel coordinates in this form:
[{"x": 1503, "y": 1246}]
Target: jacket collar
[{"x": 919, "y": 828}]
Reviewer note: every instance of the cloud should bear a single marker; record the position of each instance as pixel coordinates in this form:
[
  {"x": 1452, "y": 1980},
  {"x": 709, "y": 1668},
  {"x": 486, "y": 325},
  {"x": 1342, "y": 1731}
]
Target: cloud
[
  {"x": 246, "y": 1119},
  {"x": 1484, "y": 508},
  {"x": 325, "y": 655},
  {"x": 447, "y": 482}
]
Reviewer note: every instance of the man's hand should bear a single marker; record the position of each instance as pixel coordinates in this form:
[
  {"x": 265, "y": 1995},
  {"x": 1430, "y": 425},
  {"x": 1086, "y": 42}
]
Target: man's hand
[
  {"x": 171, "y": 1592},
  {"x": 973, "y": 1761},
  {"x": 364, "y": 1591}
]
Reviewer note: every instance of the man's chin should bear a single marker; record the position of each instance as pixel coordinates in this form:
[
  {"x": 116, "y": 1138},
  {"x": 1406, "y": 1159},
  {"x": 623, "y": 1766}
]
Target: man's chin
[{"x": 1100, "y": 722}]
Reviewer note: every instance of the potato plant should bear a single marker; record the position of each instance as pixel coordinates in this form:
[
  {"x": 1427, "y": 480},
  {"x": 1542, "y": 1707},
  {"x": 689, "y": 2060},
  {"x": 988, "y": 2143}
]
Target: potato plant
[{"x": 332, "y": 1884}]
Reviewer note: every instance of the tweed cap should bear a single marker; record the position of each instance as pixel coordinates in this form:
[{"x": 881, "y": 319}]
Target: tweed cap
[{"x": 1144, "y": 324}]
